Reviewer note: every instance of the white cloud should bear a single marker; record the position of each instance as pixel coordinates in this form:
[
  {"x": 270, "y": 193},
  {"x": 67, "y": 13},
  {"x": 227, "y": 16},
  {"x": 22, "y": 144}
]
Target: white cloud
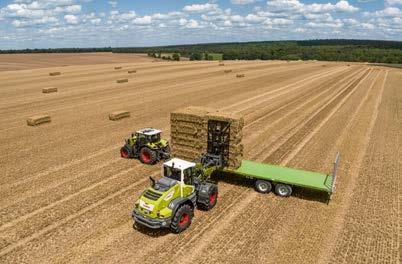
[
  {"x": 71, "y": 19},
  {"x": 388, "y": 12},
  {"x": 193, "y": 24},
  {"x": 242, "y": 2},
  {"x": 146, "y": 20},
  {"x": 393, "y": 2},
  {"x": 200, "y": 8}
]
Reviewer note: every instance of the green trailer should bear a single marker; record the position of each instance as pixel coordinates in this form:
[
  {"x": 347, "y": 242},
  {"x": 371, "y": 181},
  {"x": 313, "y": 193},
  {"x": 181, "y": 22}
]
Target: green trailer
[{"x": 282, "y": 179}]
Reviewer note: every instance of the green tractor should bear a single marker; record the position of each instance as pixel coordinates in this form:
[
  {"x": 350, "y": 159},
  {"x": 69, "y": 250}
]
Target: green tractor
[
  {"x": 147, "y": 145},
  {"x": 170, "y": 202}
]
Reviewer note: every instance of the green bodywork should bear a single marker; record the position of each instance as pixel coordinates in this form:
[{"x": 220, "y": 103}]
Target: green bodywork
[
  {"x": 279, "y": 174},
  {"x": 161, "y": 208}
]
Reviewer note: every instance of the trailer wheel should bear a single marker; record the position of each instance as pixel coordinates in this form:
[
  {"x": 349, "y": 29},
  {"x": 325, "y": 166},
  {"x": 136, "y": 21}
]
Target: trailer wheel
[
  {"x": 283, "y": 190},
  {"x": 148, "y": 156},
  {"x": 182, "y": 219},
  {"x": 263, "y": 186}
]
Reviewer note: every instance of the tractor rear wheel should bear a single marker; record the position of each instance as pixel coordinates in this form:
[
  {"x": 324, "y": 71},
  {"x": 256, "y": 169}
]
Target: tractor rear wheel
[
  {"x": 148, "y": 156},
  {"x": 283, "y": 190},
  {"x": 182, "y": 218},
  {"x": 263, "y": 186}
]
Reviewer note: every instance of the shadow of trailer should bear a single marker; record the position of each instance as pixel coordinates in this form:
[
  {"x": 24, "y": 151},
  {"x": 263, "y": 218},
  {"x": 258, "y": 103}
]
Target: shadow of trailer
[{"x": 282, "y": 180}]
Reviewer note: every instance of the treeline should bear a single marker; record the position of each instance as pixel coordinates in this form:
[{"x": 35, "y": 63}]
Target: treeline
[{"x": 375, "y": 51}]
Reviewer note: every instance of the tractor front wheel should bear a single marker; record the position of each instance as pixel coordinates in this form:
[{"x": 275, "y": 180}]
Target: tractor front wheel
[
  {"x": 182, "y": 219},
  {"x": 124, "y": 153},
  {"x": 148, "y": 156}
]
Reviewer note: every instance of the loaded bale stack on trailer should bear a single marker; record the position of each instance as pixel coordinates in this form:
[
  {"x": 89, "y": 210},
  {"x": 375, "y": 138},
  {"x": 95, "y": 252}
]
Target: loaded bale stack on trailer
[{"x": 189, "y": 133}]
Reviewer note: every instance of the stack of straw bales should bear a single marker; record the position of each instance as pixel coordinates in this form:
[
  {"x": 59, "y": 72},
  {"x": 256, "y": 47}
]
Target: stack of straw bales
[{"x": 189, "y": 138}]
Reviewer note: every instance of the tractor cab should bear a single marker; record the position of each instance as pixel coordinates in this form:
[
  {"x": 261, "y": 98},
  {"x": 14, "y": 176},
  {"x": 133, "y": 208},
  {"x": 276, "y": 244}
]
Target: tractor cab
[
  {"x": 148, "y": 136},
  {"x": 181, "y": 171}
]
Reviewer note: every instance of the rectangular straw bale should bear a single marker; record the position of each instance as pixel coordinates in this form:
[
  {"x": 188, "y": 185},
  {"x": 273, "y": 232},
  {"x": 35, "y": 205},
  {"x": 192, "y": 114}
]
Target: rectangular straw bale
[
  {"x": 240, "y": 75},
  {"x": 132, "y": 71},
  {"x": 221, "y": 64},
  {"x": 117, "y": 68},
  {"x": 37, "y": 120},
  {"x": 122, "y": 81},
  {"x": 49, "y": 90},
  {"x": 227, "y": 71},
  {"x": 54, "y": 73},
  {"x": 119, "y": 115}
]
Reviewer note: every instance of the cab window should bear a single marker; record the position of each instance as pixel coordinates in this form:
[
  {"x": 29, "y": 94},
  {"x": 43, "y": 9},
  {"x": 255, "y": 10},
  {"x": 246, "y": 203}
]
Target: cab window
[{"x": 171, "y": 173}]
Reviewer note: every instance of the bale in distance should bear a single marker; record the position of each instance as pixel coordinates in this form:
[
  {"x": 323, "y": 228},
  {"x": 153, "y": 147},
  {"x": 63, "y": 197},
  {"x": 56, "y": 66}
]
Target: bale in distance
[
  {"x": 240, "y": 75},
  {"x": 119, "y": 115},
  {"x": 221, "y": 64},
  {"x": 37, "y": 120},
  {"x": 228, "y": 71},
  {"x": 122, "y": 81},
  {"x": 54, "y": 73},
  {"x": 117, "y": 68},
  {"x": 49, "y": 90},
  {"x": 132, "y": 71}
]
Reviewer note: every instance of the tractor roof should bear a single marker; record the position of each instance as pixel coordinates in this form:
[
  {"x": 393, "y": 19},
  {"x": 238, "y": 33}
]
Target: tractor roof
[
  {"x": 179, "y": 164},
  {"x": 149, "y": 131}
]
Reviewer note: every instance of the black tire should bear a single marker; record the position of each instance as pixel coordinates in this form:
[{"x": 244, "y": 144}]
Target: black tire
[
  {"x": 263, "y": 186},
  {"x": 182, "y": 219},
  {"x": 212, "y": 199},
  {"x": 148, "y": 156},
  {"x": 283, "y": 190}
]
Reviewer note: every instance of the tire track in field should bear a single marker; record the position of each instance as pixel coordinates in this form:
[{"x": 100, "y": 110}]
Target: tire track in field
[
  {"x": 248, "y": 100},
  {"x": 299, "y": 120},
  {"x": 340, "y": 216},
  {"x": 306, "y": 98},
  {"x": 312, "y": 122},
  {"x": 242, "y": 204},
  {"x": 290, "y": 89}
]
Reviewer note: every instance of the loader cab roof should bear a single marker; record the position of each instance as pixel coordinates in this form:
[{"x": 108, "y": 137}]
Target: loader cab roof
[
  {"x": 179, "y": 164},
  {"x": 149, "y": 131}
]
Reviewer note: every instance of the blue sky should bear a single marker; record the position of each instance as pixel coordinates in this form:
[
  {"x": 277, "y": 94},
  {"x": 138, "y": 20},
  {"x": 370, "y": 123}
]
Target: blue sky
[{"x": 96, "y": 23}]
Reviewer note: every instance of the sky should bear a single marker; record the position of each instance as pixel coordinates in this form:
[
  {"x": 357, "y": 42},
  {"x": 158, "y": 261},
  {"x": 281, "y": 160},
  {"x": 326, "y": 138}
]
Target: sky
[{"x": 136, "y": 23}]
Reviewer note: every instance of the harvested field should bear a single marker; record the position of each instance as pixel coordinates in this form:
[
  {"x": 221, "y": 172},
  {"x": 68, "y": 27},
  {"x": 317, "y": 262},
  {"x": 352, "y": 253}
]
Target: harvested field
[{"x": 67, "y": 196}]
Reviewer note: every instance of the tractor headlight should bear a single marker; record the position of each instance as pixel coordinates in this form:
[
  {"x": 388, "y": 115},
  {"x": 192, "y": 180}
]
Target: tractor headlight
[{"x": 171, "y": 205}]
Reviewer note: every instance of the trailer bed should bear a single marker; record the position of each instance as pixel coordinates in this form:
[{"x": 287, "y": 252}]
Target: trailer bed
[{"x": 280, "y": 174}]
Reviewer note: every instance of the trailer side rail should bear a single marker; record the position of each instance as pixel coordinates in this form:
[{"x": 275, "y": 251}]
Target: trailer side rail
[{"x": 335, "y": 171}]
